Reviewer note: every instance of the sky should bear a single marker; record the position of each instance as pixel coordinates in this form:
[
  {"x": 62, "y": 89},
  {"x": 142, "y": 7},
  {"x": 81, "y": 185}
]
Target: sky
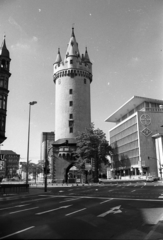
[{"x": 124, "y": 39}]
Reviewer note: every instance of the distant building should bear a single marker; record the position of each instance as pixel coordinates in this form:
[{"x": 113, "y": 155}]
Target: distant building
[
  {"x": 11, "y": 163},
  {"x": 137, "y": 138},
  {"x": 4, "y": 83},
  {"x": 47, "y": 139}
]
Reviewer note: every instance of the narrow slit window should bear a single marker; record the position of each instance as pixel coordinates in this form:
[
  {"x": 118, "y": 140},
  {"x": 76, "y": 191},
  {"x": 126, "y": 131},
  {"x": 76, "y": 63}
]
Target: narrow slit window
[
  {"x": 71, "y": 103},
  {"x": 71, "y": 116},
  {"x": 70, "y": 91}
]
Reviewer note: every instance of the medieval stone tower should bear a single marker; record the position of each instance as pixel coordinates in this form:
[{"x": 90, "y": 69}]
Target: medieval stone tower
[{"x": 72, "y": 77}]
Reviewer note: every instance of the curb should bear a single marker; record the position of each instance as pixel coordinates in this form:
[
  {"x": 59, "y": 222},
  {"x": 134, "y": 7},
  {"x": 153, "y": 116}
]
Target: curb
[{"x": 156, "y": 233}]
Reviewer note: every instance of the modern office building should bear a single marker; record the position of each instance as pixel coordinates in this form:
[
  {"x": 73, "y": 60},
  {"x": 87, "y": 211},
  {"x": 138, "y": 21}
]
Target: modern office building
[
  {"x": 72, "y": 77},
  {"x": 137, "y": 137}
]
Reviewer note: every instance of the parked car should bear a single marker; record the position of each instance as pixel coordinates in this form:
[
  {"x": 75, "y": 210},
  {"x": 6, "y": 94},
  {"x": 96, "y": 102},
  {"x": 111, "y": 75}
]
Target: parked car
[
  {"x": 4, "y": 180},
  {"x": 151, "y": 179},
  {"x": 14, "y": 179}
]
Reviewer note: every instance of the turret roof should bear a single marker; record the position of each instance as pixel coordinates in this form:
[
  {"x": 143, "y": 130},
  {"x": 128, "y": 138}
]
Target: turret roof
[
  {"x": 58, "y": 58},
  {"x": 86, "y": 55},
  {"x": 72, "y": 49},
  {"x": 3, "y": 50}
]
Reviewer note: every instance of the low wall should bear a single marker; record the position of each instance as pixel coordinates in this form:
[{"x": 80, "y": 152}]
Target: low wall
[{"x": 13, "y": 188}]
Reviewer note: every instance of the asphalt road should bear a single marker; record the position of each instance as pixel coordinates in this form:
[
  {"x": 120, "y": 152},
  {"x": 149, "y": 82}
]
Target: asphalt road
[{"x": 123, "y": 211}]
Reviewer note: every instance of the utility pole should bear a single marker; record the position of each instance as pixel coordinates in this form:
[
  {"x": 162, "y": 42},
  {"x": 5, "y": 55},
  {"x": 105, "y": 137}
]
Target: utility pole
[{"x": 45, "y": 168}]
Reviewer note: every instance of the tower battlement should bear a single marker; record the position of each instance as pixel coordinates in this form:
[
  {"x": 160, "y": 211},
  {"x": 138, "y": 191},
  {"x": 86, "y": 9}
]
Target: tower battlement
[{"x": 73, "y": 64}]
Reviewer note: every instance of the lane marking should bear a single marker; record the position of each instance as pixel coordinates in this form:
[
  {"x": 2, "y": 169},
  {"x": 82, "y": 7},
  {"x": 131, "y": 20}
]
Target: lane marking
[
  {"x": 17, "y": 232},
  {"x": 75, "y": 211},
  {"x": 1, "y": 209},
  {"x": 111, "y": 190},
  {"x": 40, "y": 213},
  {"x": 23, "y": 210},
  {"x": 113, "y": 210},
  {"x": 73, "y": 199},
  {"x": 106, "y": 201},
  {"x": 38, "y": 199},
  {"x": 133, "y": 190}
]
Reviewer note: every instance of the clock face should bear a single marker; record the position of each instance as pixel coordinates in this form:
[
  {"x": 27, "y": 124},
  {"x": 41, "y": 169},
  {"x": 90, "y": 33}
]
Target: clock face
[
  {"x": 145, "y": 119},
  {"x": 59, "y": 81}
]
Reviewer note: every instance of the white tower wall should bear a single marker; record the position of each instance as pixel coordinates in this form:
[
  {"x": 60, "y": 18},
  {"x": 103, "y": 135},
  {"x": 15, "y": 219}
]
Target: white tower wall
[{"x": 80, "y": 108}]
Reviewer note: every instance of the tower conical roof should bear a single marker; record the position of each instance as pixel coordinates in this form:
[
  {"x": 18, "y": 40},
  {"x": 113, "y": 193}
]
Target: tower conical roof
[
  {"x": 3, "y": 50},
  {"x": 72, "y": 49},
  {"x": 58, "y": 58},
  {"x": 86, "y": 56}
]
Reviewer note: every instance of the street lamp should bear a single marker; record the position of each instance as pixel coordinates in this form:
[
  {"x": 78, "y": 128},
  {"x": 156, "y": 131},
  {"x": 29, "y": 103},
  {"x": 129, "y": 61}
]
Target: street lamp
[{"x": 30, "y": 104}]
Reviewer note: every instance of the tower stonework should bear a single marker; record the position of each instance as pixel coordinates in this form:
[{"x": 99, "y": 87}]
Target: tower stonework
[{"x": 72, "y": 77}]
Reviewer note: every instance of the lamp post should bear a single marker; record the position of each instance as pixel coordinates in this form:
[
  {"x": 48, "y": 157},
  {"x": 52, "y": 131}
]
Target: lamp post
[{"x": 30, "y": 104}]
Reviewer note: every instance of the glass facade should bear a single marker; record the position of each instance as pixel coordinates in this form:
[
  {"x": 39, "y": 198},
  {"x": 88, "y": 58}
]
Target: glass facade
[{"x": 124, "y": 140}]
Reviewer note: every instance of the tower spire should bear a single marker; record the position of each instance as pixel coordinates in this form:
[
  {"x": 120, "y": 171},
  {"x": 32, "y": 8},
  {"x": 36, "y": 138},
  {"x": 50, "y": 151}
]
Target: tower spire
[
  {"x": 58, "y": 58},
  {"x": 86, "y": 55},
  {"x": 3, "y": 50}
]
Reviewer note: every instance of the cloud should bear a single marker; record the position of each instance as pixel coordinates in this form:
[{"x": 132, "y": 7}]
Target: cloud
[
  {"x": 26, "y": 45},
  {"x": 16, "y": 25},
  {"x": 134, "y": 61}
]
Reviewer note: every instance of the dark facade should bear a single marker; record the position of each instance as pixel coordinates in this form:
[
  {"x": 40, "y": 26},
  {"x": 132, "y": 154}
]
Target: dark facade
[
  {"x": 4, "y": 83},
  {"x": 11, "y": 163}
]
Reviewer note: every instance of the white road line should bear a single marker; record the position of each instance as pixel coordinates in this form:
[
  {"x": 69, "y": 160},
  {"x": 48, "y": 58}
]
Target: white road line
[
  {"x": 133, "y": 190},
  {"x": 73, "y": 199},
  {"x": 23, "y": 210},
  {"x": 75, "y": 212},
  {"x": 17, "y": 232},
  {"x": 111, "y": 190},
  {"x": 38, "y": 199},
  {"x": 106, "y": 201},
  {"x": 1, "y": 209},
  {"x": 52, "y": 210},
  {"x": 160, "y": 197}
]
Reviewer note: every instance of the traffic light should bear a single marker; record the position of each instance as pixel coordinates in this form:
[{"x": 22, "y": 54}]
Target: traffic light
[{"x": 46, "y": 168}]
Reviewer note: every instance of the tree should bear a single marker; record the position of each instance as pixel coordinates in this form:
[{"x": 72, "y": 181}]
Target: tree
[
  {"x": 92, "y": 144},
  {"x": 33, "y": 168}
]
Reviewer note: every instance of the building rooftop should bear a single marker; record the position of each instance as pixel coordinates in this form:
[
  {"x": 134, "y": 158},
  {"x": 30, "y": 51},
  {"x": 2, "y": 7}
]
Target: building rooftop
[{"x": 130, "y": 105}]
